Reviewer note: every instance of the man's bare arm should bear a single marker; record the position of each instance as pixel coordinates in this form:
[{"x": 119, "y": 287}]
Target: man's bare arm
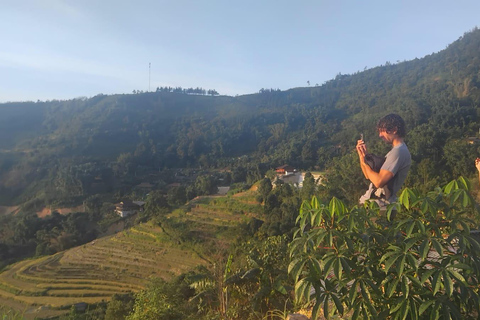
[{"x": 379, "y": 179}]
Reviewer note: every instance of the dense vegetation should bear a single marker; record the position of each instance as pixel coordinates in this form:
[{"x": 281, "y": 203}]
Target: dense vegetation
[
  {"x": 56, "y": 149},
  {"x": 97, "y": 151},
  {"x": 423, "y": 264}
]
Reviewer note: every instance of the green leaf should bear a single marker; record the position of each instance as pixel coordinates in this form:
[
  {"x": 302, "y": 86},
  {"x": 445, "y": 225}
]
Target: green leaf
[
  {"x": 364, "y": 291},
  {"x": 295, "y": 268},
  {"x": 338, "y": 303},
  {"x": 425, "y": 206},
  {"x": 463, "y": 183},
  {"x": 438, "y": 247},
  {"x": 356, "y": 312},
  {"x": 388, "y": 255},
  {"x": 352, "y": 294},
  {"x": 351, "y": 222},
  {"x": 455, "y": 195},
  {"x": 279, "y": 287},
  {"x": 314, "y": 202},
  {"x": 414, "y": 279},
  {"x": 316, "y": 309},
  {"x": 314, "y": 264},
  {"x": 328, "y": 264},
  {"x": 421, "y": 226},
  {"x": 395, "y": 308},
  {"x": 338, "y": 269},
  {"x": 436, "y": 282},
  {"x": 427, "y": 274},
  {"x": 466, "y": 227},
  {"x": 302, "y": 289},
  {"x": 457, "y": 275},
  {"x": 404, "y": 198},
  {"x": 424, "y": 247},
  {"x": 391, "y": 261},
  {"x": 413, "y": 311},
  {"x": 452, "y": 185},
  {"x": 435, "y": 311},
  {"x": 410, "y": 243},
  {"x": 326, "y": 309},
  {"x": 447, "y": 282},
  {"x": 424, "y": 306},
  {"x": 392, "y": 287},
  {"x": 404, "y": 309},
  {"x": 412, "y": 261},
  {"x": 467, "y": 200},
  {"x": 410, "y": 229},
  {"x": 390, "y": 209},
  {"x": 345, "y": 265},
  {"x": 400, "y": 267},
  {"x": 332, "y": 207},
  {"x": 405, "y": 287}
]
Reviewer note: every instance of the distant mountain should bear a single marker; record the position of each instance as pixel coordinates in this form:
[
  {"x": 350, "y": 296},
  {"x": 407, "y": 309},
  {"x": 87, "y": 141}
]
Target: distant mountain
[{"x": 45, "y": 145}]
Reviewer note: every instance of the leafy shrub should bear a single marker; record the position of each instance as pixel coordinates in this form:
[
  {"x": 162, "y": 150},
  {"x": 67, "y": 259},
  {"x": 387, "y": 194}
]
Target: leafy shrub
[{"x": 424, "y": 263}]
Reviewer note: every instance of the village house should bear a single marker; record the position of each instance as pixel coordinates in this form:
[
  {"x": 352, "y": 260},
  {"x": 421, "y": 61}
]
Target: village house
[
  {"x": 289, "y": 174},
  {"x": 127, "y": 207},
  {"x": 285, "y": 170},
  {"x": 473, "y": 140}
]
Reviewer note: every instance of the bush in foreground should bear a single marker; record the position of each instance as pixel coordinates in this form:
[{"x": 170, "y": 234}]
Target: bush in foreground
[{"x": 422, "y": 264}]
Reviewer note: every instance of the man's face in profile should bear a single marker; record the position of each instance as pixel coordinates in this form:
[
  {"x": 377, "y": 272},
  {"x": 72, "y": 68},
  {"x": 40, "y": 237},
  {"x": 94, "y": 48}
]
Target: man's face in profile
[{"x": 385, "y": 136}]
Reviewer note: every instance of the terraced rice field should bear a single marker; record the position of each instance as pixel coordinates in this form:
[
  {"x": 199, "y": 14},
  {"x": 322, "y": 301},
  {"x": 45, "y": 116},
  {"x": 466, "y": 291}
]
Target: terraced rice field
[
  {"x": 224, "y": 211},
  {"x": 124, "y": 262},
  {"x": 94, "y": 272},
  {"x": 212, "y": 220}
]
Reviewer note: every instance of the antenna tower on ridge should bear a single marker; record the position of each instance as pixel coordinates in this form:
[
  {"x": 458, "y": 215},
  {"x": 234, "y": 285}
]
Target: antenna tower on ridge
[{"x": 149, "y": 76}]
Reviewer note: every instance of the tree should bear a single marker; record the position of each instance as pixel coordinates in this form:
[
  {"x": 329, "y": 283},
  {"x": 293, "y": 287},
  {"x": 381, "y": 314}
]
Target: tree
[
  {"x": 271, "y": 202},
  {"x": 205, "y": 185},
  {"x": 264, "y": 188},
  {"x": 344, "y": 179},
  {"x": 156, "y": 205},
  {"x": 119, "y": 307},
  {"x": 239, "y": 174},
  {"x": 123, "y": 165},
  {"x": 156, "y": 201},
  {"x": 308, "y": 186},
  {"x": 158, "y": 301},
  {"x": 459, "y": 156},
  {"x": 176, "y": 196},
  {"x": 423, "y": 264}
]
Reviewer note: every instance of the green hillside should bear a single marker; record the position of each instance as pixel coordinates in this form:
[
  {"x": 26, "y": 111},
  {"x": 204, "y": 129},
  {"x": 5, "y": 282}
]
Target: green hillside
[{"x": 437, "y": 95}]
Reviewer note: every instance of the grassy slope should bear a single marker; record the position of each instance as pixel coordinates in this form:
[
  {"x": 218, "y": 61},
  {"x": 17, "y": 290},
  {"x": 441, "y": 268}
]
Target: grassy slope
[{"x": 123, "y": 262}]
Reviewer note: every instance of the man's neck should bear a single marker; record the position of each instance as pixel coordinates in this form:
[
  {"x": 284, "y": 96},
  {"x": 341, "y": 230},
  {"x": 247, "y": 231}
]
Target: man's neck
[{"x": 397, "y": 141}]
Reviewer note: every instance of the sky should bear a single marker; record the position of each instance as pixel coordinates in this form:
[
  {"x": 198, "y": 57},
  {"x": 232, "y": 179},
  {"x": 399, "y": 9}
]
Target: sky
[{"x": 65, "y": 49}]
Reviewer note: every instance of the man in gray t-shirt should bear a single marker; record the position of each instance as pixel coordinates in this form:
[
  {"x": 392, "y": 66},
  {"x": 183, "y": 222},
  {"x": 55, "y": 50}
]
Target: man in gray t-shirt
[{"x": 393, "y": 173}]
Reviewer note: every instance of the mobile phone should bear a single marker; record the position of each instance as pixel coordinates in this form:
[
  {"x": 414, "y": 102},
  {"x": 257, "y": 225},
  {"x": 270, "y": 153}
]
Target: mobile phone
[{"x": 361, "y": 136}]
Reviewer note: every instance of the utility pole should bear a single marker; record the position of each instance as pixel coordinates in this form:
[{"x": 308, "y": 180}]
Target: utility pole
[{"x": 149, "y": 76}]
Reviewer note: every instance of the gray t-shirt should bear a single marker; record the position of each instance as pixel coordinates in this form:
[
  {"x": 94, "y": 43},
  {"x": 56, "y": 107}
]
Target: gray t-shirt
[{"x": 398, "y": 161}]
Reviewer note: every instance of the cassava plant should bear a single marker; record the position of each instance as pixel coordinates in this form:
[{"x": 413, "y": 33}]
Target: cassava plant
[{"x": 424, "y": 263}]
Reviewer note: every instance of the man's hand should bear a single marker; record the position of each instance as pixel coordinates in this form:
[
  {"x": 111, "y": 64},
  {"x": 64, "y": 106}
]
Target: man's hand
[
  {"x": 477, "y": 164},
  {"x": 361, "y": 149}
]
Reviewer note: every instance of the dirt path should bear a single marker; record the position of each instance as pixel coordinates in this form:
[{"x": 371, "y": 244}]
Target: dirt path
[
  {"x": 8, "y": 210},
  {"x": 48, "y": 211}
]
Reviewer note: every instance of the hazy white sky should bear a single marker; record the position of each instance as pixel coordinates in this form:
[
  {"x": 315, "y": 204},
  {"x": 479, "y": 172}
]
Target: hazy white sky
[{"x": 62, "y": 49}]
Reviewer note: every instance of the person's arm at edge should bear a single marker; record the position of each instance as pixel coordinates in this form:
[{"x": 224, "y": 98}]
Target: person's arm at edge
[{"x": 477, "y": 165}]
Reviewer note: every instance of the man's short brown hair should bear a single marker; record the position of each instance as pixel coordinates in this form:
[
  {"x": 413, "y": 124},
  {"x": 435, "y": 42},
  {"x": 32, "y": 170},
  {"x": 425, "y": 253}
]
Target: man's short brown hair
[{"x": 392, "y": 123}]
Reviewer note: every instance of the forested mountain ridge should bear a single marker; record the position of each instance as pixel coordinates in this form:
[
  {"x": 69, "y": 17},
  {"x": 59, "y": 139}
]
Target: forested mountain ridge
[{"x": 46, "y": 146}]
